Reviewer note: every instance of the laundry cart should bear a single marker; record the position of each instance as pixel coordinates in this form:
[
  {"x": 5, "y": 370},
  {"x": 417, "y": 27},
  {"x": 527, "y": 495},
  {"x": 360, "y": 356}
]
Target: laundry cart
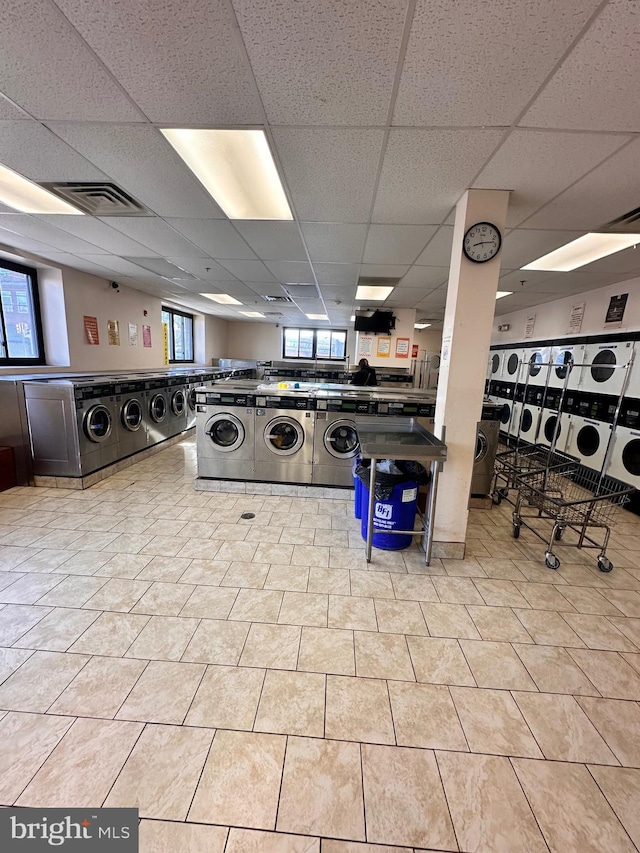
[{"x": 511, "y": 464}]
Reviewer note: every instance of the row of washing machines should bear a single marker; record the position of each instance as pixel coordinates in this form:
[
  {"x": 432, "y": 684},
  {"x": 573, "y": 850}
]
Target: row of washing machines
[
  {"x": 79, "y": 425},
  {"x": 574, "y": 392}
]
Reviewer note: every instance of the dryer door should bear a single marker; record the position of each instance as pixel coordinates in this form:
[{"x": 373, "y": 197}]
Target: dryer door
[
  {"x": 131, "y": 416},
  {"x": 178, "y": 402},
  {"x": 158, "y": 408},
  {"x": 97, "y": 424},
  {"x": 631, "y": 457},
  {"x": 588, "y": 440},
  {"x": 226, "y": 432},
  {"x": 284, "y": 436},
  {"x": 341, "y": 439}
]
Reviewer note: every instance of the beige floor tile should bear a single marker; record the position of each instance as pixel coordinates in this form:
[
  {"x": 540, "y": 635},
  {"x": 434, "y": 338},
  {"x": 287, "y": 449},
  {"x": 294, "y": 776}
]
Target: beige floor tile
[
  {"x": 383, "y": 656},
  {"x": 570, "y": 809},
  {"x": 263, "y": 535},
  {"x": 39, "y": 681},
  {"x": 467, "y": 568},
  {"x": 493, "y": 723},
  {"x": 582, "y": 575},
  {"x": 304, "y": 608},
  {"x": 242, "y": 552},
  {"x": 272, "y": 646},
  {"x": 27, "y": 741},
  {"x": 205, "y": 572},
  {"x": 589, "y": 600},
  {"x": 272, "y": 553},
  {"x": 352, "y": 613},
  {"x": 333, "y": 581},
  {"x": 119, "y": 595},
  {"x": 496, "y": 665},
  {"x": 625, "y": 600},
  {"x": 400, "y": 617},
  {"x": 500, "y": 568},
  {"x": 128, "y": 543},
  {"x": 554, "y": 671},
  {"x": 609, "y": 672},
  {"x": 413, "y": 587},
  {"x": 322, "y": 789},
  {"x": 634, "y": 660},
  {"x": 333, "y": 538},
  {"x": 628, "y": 626},
  {"x": 257, "y": 841},
  {"x": 598, "y": 632},
  {"x": 167, "y": 569},
  {"x": 10, "y": 660},
  {"x": 457, "y": 591},
  {"x": 160, "y": 776},
  {"x": 621, "y": 787},
  {"x": 537, "y": 573},
  {"x": 163, "y": 693},
  {"x": 84, "y": 765},
  {"x": 404, "y": 800},
  {"x": 292, "y": 703},
  {"x": 619, "y": 724},
  {"x": 123, "y": 565},
  {"x": 372, "y": 584},
  {"x": 425, "y": 716},
  {"x": 58, "y": 630},
  {"x": 210, "y": 602},
  {"x": 499, "y": 624},
  {"x": 310, "y": 555},
  {"x": 439, "y": 661},
  {"x": 548, "y": 628},
  {"x": 28, "y": 589},
  {"x": 500, "y": 593},
  {"x": 297, "y": 536},
  {"x": 288, "y": 578},
  {"x": 358, "y": 710},
  {"x": 544, "y": 596},
  {"x": 256, "y": 605},
  {"x": 72, "y": 592},
  {"x": 158, "y": 836},
  {"x": 227, "y": 698},
  {"x": 329, "y": 650},
  {"x": 246, "y": 574},
  {"x": 170, "y": 546},
  {"x": 163, "y": 638},
  {"x": 163, "y": 599},
  {"x": 232, "y": 532},
  {"x": 487, "y": 805},
  {"x": 240, "y": 783},
  {"x": 111, "y": 634},
  {"x": 449, "y": 620},
  {"x": 217, "y": 642},
  {"x": 562, "y": 729},
  {"x": 100, "y": 688}
]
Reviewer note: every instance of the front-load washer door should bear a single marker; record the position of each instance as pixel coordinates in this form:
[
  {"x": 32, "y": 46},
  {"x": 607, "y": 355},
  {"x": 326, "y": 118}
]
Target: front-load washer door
[
  {"x": 131, "y": 416},
  {"x": 284, "y": 436},
  {"x": 341, "y": 439},
  {"x": 631, "y": 457},
  {"x": 226, "y": 432},
  {"x": 178, "y": 403},
  {"x": 158, "y": 408},
  {"x": 97, "y": 424},
  {"x": 588, "y": 441},
  {"x": 191, "y": 399},
  {"x": 482, "y": 447}
]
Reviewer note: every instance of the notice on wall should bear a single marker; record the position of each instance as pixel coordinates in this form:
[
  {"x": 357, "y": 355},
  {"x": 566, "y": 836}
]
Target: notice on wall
[
  {"x": 414, "y": 351},
  {"x": 615, "y": 311},
  {"x": 575, "y": 319},
  {"x": 365, "y": 346},
  {"x": 530, "y": 326},
  {"x": 165, "y": 342},
  {"x": 402, "y": 347},
  {"x": 146, "y": 336},
  {"x": 91, "y": 330},
  {"x": 446, "y": 348},
  {"x": 133, "y": 334},
  {"x": 384, "y": 346},
  {"x": 113, "y": 333}
]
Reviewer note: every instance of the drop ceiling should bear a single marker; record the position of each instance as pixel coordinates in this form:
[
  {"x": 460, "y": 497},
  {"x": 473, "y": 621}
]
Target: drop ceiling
[{"x": 380, "y": 114}]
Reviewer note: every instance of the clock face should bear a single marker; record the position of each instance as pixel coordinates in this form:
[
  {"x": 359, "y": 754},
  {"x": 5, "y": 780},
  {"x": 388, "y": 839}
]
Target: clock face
[{"x": 482, "y": 242}]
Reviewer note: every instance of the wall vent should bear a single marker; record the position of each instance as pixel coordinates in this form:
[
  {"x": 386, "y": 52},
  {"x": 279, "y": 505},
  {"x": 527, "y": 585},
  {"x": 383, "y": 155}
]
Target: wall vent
[{"x": 98, "y": 198}]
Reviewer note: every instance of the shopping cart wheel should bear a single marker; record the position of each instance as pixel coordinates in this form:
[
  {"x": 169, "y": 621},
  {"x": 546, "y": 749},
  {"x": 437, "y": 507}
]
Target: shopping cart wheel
[
  {"x": 551, "y": 561},
  {"x": 604, "y": 564},
  {"x": 516, "y": 531},
  {"x": 496, "y": 497},
  {"x": 504, "y": 492}
]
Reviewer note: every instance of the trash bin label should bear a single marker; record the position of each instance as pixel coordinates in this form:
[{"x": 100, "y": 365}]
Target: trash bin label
[
  {"x": 383, "y": 511},
  {"x": 409, "y": 495}
]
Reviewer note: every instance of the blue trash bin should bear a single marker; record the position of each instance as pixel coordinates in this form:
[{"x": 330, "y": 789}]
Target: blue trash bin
[
  {"x": 357, "y": 485},
  {"x": 398, "y": 512}
]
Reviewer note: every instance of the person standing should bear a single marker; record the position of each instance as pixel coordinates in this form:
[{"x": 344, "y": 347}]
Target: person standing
[{"x": 365, "y": 375}]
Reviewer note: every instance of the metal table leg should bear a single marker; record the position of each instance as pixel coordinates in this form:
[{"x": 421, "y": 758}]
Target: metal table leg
[
  {"x": 372, "y": 497},
  {"x": 435, "y": 470}
]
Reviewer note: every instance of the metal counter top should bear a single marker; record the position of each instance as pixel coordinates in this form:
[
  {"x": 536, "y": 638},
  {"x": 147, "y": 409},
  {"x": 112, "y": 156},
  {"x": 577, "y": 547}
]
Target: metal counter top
[{"x": 399, "y": 439}]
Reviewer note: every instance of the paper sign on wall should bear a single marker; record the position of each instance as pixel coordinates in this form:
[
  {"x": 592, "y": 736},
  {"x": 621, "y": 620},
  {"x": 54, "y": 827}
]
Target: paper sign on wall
[
  {"x": 91, "y": 330},
  {"x": 575, "y": 319},
  {"x": 113, "y": 333},
  {"x": 133, "y": 334},
  {"x": 402, "y": 347},
  {"x": 615, "y": 311},
  {"x": 414, "y": 351},
  {"x": 384, "y": 346},
  {"x": 530, "y": 326},
  {"x": 365, "y": 346},
  {"x": 165, "y": 342},
  {"x": 146, "y": 336}
]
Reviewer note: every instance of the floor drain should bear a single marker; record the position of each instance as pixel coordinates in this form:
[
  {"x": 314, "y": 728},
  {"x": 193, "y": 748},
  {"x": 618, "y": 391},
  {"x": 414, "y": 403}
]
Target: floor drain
[{"x": 248, "y": 515}]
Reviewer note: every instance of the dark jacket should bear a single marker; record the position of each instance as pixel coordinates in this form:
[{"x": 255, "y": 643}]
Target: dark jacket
[{"x": 364, "y": 376}]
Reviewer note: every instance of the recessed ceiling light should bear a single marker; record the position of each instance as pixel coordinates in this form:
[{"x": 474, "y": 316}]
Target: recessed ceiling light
[
  {"x": 252, "y": 313},
  {"x": 585, "y": 250},
  {"x": 372, "y": 293},
  {"x": 237, "y": 168},
  {"x": 317, "y": 316},
  {"x": 501, "y": 293},
  {"x": 353, "y": 317},
  {"x": 222, "y": 298},
  {"x": 23, "y": 195},
  {"x": 421, "y": 325}
]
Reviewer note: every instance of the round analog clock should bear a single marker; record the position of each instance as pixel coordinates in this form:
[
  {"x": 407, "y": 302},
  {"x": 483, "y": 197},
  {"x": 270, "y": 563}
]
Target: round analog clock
[{"x": 482, "y": 242}]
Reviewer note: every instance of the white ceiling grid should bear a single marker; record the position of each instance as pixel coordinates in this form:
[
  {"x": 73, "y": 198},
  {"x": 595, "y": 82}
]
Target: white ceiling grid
[{"x": 380, "y": 113}]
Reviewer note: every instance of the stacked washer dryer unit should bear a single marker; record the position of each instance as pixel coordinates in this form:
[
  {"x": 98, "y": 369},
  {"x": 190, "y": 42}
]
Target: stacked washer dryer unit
[
  {"x": 225, "y": 433},
  {"x": 130, "y": 423},
  {"x": 284, "y": 425},
  {"x": 511, "y": 376},
  {"x": 335, "y": 438},
  {"x": 590, "y": 418}
]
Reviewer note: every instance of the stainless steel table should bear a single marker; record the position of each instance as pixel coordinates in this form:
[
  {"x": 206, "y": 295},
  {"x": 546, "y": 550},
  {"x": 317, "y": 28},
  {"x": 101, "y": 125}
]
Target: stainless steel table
[{"x": 405, "y": 440}]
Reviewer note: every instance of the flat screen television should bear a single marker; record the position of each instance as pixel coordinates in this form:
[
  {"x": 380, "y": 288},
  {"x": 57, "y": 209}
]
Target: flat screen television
[{"x": 381, "y": 322}]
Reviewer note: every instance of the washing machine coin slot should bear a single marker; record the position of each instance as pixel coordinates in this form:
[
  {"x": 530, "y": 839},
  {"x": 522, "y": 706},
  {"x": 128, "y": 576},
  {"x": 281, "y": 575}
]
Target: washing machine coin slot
[
  {"x": 97, "y": 424},
  {"x": 601, "y": 369}
]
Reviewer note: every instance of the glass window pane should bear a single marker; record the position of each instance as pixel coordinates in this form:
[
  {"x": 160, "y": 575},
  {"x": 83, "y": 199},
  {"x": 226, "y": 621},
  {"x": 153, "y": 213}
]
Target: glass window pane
[
  {"x": 338, "y": 344},
  {"x": 323, "y": 343},
  {"x": 306, "y": 343},
  {"x": 178, "y": 337},
  {"x": 19, "y": 314},
  {"x": 291, "y": 337},
  {"x": 188, "y": 338}
]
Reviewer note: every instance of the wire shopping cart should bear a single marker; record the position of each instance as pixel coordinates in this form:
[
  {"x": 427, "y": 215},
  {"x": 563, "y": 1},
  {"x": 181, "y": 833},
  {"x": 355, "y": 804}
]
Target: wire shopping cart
[
  {"x": 565, "y": 503},
  {"x": 510, "y": 464}
]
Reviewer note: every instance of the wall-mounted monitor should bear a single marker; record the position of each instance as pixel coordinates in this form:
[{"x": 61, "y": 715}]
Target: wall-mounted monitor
[{"x": 378, "y": 322}]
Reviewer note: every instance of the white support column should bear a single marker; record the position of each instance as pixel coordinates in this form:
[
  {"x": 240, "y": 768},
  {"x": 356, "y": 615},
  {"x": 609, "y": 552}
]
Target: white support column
[{"x": 466, "y": 338}]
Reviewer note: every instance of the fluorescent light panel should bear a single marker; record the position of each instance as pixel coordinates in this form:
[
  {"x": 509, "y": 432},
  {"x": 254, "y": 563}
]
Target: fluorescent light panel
[
  {"x": 585, "y": 250},
  {"x": 23, "y": 195},
  {"x": 252, "y": 313},
  {"x": 237, "y": 168},
  {"x": 317, "y": 317},
  {"x": 222, "y": 298},
  {"x": 372, "y": 293},
  {"x": 421, "y": 325},
  {"x": 501, "y": 293}
]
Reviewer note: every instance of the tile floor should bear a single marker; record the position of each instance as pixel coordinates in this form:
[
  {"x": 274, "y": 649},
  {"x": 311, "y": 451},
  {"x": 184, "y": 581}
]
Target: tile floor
[{"x": 254, "y": 685}]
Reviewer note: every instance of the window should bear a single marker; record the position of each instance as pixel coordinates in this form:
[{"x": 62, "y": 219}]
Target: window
[
  {"x": 20, "y": 325},
  {"x": 325, "y": 344},
  {"x": 180, "y": 334}
]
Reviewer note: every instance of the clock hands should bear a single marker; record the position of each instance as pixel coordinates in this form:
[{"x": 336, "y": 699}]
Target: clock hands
[{"x": 483, "y": 242}]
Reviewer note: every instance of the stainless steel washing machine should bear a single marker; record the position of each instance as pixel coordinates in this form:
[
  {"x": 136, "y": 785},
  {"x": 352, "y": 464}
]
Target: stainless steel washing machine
[
  {"x": 130, "y": 421},
  {"x": 284, "y": 438},
  {"x": 486, "y": 449},
  {"x": 157, "y": 399},
  {"x": 177, "y": 405},
  {"x": 225, "y": 429},
  {"x": 335, "y": 439}
]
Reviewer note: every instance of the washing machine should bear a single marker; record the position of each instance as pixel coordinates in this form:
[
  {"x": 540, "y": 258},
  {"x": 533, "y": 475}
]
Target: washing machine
[
  {"x": 284, "y": 425},
  {"x": 225, "y": 433},
  {"x": 335, "y": 436},
  {"x": 512, "y": 369},
  {"x": 587, "y": 439},
  {"x": 157, "y": 398},
  {"x": 130, "y": 420},
  {"x": 624, "y": 462},
  {"x": 553, "y": 423},
  {"x": 604, "y": 371},
  {"x": 177, "y": 405},
  {"x": 563, "y": 358},
  {"x": 531, "y": 416},
  {"x": 538, "y": 364},
  {"x": 487, "y": 438}
]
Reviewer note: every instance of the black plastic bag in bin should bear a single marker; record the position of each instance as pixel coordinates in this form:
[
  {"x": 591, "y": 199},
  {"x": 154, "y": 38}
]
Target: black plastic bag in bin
[{"x": 409, "y": 472}]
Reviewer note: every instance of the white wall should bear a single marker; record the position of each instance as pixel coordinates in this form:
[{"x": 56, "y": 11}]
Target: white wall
[
  {"x": 429, "y": 340},
  {"x": 263, "y": 341},
  {"x": 405, "y": 320}
]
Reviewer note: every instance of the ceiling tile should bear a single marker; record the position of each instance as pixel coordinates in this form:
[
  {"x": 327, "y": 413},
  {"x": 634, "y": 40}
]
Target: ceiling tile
[
  {"x": 50, "y": 72},
  {"x": 291, "y": 271},
  {"x": 205, "y": 268},
  {"x": 342, "y": 293},
  {"x": 248, "y": 270},
  {"x": 161, "y": 267},
  {"x": 424, "y": 277},
  {"x": 60, "y": 241},
  {"x": 323, "y": 63},
  {"x": 273, "y": 241},
  {"x": 438, "y": 251},
  {"x": 155, "y": 234},
  {"x": 217, "y": 237},
  {"x": 596, "y": 87},
  {"x": 426, "y": 171},
  {"x": 537, "y": 165},
  {"x": 477, "y": 62},
  {"x": 523, "y": 245},
  {"x": 142, "y": 162},
  {"x": 195, "y": 52},
  {"x": 32, "y": 150},
  {"x": 118, "y": 266},
  {"x": 396, "y": 244},
  {"x": 344, "y": 274},
  {"x": 9, "y": 111},
  {"x": 98, "y": 233},
  {"x": 384, "y": 270},
  {"x": 335, "y": 242},
  {"x": 78, "y": 263}
]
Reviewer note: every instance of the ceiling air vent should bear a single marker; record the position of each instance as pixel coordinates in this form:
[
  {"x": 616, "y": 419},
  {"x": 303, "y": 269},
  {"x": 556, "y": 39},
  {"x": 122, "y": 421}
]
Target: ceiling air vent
[
  {"x": 268, "y": 298},
  {"x": 98, "y": 198},
  {"x": 373, "y": 281},
  {"x": 628, "y": 223},
  {"x": 301, "y": 291},
  {"x": 273, "y": 313}
]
